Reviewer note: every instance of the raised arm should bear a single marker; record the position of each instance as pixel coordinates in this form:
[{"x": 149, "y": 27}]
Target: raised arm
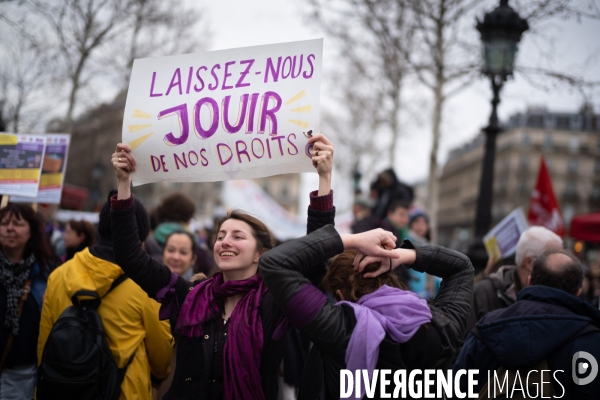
[
  {"x": 283, "y": 269},
  {"x": 321, "y": 211},
  {"x": 153, "y": 277}
]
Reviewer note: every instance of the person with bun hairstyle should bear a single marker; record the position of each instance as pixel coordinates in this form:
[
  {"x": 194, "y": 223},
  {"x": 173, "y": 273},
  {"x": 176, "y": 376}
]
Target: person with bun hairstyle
[
  {"x": 376, "y": 322},
  {"x": 229, "y": 331}
]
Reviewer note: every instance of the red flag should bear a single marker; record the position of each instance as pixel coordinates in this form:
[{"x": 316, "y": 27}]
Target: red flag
[{"x": 543, "y": 207}]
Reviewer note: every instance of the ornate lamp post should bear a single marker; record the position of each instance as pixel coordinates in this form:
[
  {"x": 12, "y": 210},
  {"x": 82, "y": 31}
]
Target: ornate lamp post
[{"x": 501, "y": 32}]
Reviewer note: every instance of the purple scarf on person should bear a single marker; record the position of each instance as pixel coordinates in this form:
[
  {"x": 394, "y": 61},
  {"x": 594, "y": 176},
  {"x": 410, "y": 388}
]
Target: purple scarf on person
[
  {"x": 399, "y": 313},
  {"x": 243, "y": 349}
]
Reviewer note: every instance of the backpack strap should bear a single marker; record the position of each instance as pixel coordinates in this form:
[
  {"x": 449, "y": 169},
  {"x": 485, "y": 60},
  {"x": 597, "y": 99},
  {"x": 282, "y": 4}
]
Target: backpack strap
[
  {"x": 11, "y": 337},
  {"x": 116, "y": 283}
]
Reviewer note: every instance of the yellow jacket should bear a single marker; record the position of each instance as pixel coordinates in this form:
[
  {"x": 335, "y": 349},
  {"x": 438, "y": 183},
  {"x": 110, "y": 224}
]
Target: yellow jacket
[{"x": 129, "y": 316}]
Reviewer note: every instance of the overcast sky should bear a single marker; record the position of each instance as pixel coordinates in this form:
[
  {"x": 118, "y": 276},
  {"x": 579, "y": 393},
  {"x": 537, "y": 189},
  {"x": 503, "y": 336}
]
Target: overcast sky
[{"x": 238, "y": 23}]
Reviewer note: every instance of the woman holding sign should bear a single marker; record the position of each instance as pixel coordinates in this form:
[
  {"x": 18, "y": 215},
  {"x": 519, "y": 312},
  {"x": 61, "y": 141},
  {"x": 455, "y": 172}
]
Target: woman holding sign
[{"x": 229, "y": 329}]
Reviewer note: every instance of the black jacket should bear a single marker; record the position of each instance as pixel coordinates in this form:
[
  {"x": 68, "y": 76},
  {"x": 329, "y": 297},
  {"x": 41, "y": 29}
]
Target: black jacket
[
  {"x": 284, "y": 269},
  {"x": 198, "y": 373},
  {"x": 543, "y": 324}
]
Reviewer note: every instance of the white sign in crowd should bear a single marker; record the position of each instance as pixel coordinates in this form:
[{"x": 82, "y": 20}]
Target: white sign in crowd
[{"x": 231, "y": 114}]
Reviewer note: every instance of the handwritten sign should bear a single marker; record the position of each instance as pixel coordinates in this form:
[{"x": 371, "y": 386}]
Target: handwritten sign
[
  {"x": 230, "y": 114},
  {"x": 502, "y": 240},
  {"x": 54, "y": 165},
  {"x": 21, "y": 163}
]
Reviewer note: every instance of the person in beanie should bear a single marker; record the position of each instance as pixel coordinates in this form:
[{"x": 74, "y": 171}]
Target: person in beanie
[{"x": 129, "y": 317}]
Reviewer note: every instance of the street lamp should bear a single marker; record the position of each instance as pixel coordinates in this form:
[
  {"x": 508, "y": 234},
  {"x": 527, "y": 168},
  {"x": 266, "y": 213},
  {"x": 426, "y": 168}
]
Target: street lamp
[{"x": 501, "y": 32}]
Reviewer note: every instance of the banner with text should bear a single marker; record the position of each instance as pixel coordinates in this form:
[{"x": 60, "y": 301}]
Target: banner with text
[
  {"x": 53, "y": 171},
  {"x": 21, "y": 163},
  {"x": 230, "y": 114}
]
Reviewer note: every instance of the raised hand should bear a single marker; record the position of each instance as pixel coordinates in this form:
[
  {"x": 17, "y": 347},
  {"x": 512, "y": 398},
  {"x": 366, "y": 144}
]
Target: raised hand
[
  {"x": 123, "y": 162},
  {"x": 376, "y": 243},
  {"x": 405, "y": 256},
  {"x": 322, "y": 159}
]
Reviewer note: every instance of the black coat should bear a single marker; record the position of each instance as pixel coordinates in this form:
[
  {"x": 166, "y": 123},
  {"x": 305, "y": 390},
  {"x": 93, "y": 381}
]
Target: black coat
[
  {"x": 545, "y": 323},
  {"x": 330, "y": 328},
  {"x": 198, "y": 373}
]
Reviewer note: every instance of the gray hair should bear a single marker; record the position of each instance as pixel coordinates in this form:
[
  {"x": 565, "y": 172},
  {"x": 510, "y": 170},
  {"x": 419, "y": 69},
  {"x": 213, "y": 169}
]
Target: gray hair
[{"x": 534, "y": 241}]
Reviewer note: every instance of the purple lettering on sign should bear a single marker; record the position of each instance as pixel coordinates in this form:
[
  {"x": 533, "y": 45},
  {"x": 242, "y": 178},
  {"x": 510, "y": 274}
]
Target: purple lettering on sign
[
  {"x": 214, "y": 117},
  {"x": 274, "y": 72},
  {"x": 181, "y": 160},
  {"x": 262, "y": 148},
  {"x": 176, "y": 75},
  {"x": 162, "y": 161},
  {"x": 181, "y": 111},
  {"x": 278, "y": 138},
  {"x": 250, "y": 124},
  {"x": 226, "y": 75},
  {"x": 190, "y": 154},
  {"x": 288, "y": 62},
  {"x": 224, "y": 146},
  {"x": 312, "y": 68},
  {"x": 243, "y": 151},
  {"x": 215, "y": 77},
  {"x": 196, "y": 88},
  {"x": 294, "y": 74},
  {"x": 155, "y": 163},
  {"x": 292, "y": 144},
  {"x": 204, "y": 161},
  {"x": 240, "y": 83},
  {"x": 189, "y": 80},
  {"x": 241, "y": 114},
  {"x": 152, "y": 94},
  {"x": 266, "y": 113}
]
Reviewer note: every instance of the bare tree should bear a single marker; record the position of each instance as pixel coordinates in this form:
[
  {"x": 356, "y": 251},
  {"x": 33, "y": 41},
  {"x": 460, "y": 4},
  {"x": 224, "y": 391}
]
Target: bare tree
[
  {"x": 86, "y": 39},
  {"x": 373, "y": 37}
]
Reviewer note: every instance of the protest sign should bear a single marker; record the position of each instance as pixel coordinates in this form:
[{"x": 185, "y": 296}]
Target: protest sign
[
  {"x": 502, "y": 240},
  {"x": 21, "y": 163},
  {"x": 231, "y": 114},
  {"x": 53, "y": 171}
]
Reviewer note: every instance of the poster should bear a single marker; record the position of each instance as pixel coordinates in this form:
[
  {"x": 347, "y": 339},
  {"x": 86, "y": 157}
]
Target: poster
[
  {"x": 502, "y": 240},
  {"x": 53, "y": 171},
  {"x": 21, "y": 163},
  {"x": 230, "y": 114}
]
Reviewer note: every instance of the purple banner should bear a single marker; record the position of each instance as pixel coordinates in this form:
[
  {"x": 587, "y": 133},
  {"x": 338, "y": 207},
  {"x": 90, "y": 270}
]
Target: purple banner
[{"x": 30, "y": 147}]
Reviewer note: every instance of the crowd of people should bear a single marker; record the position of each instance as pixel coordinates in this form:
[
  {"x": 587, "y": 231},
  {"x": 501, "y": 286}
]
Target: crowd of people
[{"x": 140, "y": 307}]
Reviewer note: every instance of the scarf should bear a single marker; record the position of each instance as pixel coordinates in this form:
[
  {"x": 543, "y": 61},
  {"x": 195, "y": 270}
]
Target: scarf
[
  {"x": 13, "y": 277},
  {"x": 243, "y": 349},
  {"x": 397, "y": 312}
]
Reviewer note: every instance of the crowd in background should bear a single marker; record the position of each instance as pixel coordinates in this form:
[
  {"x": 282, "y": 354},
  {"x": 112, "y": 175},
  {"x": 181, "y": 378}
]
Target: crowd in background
[{"x": 544, "y": 284}]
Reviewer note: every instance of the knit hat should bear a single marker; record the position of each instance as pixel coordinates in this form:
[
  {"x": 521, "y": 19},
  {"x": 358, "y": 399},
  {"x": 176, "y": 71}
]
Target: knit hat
[
  {"x": 141, "y": 218},
  {"x": 415, "y": 213},
  {"x": 164, "y": 230}
]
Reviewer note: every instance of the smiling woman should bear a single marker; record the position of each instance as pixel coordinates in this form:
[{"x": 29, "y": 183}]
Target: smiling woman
[
  {"x": 228, "y": 333},
  {"x": 24, "y": 257}
]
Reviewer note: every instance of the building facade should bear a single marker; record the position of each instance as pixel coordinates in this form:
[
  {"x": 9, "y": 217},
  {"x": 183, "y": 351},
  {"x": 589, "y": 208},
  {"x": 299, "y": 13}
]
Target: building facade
[{"x": 570, "y": 144}]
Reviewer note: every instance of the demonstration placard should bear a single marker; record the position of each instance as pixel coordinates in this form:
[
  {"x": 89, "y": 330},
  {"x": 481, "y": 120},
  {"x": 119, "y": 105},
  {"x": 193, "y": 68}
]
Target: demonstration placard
[
  {"x": 21, "y": 163},
  {"x": 502, "y": 240},
  {"x": 53, "y": 171},
  {"x": 230, "y": 114}
]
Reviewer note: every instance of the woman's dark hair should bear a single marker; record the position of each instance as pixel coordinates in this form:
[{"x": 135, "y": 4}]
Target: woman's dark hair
[
  {"x": 176, "y": 207},
  {"x": 38, "y": 243},
  {"x": 84, "y": 228},
  {"x": 264, "y": 239},
  {"x": 181, "y": 232},
  {"x": 353, "y": 285}
]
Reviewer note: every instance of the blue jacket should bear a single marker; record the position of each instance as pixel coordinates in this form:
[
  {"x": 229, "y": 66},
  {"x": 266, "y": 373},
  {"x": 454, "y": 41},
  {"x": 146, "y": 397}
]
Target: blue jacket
[{"x": 540, "y": 325}]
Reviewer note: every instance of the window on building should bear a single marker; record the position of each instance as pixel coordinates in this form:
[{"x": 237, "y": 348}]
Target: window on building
[
  {"x": 524, "y": 161},
  {"x": 576, "y": 122},
  {"x": 574, "y": 144},
  {"x": 596, "y": 193},
  {"x": 570, "y": 189},
  {"x": 548, "y": 162},
  {"x": 572, "y": 164},
  {"x": 548, "y": 141},
  {"x": 550, "y": 121},
  {"x": 526, "y": 140},
  {"x": 523, "y": 188}
]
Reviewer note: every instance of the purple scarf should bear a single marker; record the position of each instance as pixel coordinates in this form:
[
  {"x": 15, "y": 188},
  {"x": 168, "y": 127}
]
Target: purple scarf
[
  {"x": 397, "y": 312},
  {"x": 243, "y": 348}
]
